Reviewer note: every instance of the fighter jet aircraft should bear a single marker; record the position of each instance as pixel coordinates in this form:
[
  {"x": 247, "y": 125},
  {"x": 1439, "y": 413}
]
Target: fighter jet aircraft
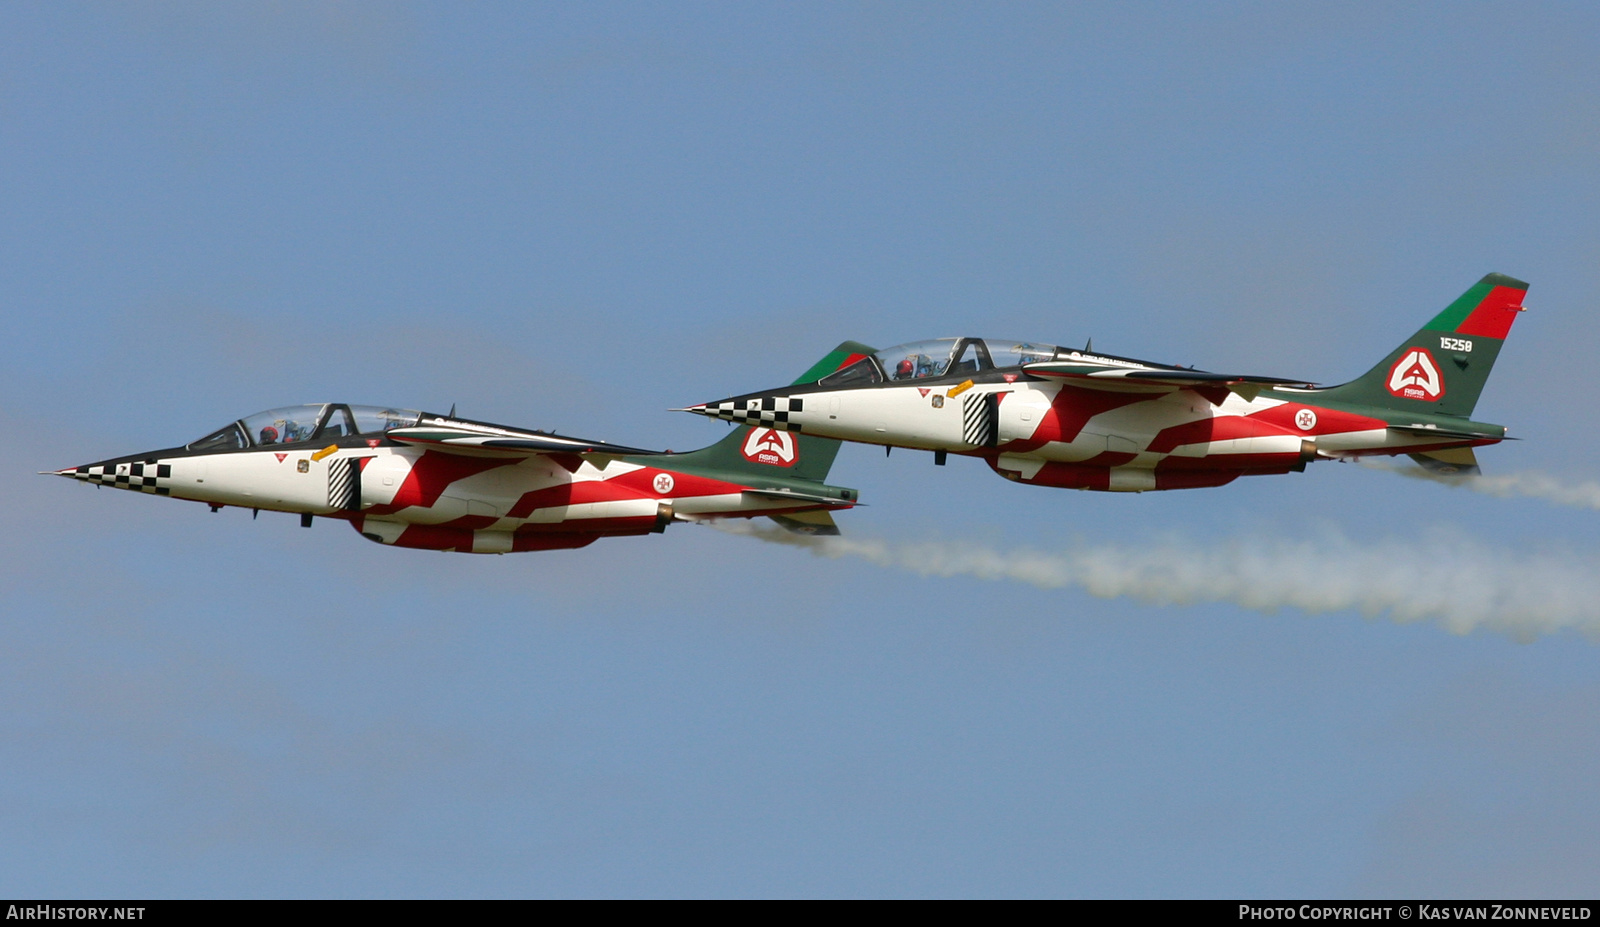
[
  {"x": 1054, "y": 416},
  {"x": 438, "y": 482}
]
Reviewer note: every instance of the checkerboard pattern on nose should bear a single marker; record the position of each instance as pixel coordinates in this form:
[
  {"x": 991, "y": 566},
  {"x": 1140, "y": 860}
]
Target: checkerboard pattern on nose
[
  {"x": 771, "y": 411},
  {"x": 145, "y": 476}
]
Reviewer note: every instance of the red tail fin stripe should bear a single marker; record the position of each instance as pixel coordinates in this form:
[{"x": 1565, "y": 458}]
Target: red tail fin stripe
[{"x": 1493, "y": 317}]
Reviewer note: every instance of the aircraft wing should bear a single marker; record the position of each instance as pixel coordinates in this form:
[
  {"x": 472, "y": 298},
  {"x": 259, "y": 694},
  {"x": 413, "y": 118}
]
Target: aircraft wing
[
  {"x": 1152, "y": 379},
  {"x": 491, "y": 441}
]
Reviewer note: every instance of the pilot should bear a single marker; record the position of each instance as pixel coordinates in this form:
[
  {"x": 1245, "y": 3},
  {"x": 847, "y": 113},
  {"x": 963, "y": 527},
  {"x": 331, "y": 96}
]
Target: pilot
[
  {"x": 269, "y": 435},
  {"x": 903, "y": 370}
]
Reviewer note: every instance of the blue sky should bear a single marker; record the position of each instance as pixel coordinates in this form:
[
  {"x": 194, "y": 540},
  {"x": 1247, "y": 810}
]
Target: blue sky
[{"x": 580, "y": 215}]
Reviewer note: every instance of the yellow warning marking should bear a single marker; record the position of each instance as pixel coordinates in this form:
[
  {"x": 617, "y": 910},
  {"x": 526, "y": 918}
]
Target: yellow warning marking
[
  {"x": 330, "y": 449},
  {"x": 959, "y": 388}
]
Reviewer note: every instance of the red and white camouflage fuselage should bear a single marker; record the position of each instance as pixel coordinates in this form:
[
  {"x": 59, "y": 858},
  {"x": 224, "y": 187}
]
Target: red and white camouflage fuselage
[
  {"x": 1130, "y": 439},
  {"x": 445, "y": 484},
  {"x": 1054, "y": 416}
]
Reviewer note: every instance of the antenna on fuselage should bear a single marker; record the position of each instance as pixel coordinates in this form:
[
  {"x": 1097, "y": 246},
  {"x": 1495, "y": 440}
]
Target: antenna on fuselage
[
  {"x": 452, "y": 411},
  {"x": 1088, "y": 346}
]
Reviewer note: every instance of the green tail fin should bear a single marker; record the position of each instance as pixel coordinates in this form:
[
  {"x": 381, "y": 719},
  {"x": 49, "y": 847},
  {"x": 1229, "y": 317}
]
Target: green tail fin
[
  {"x": 1443, "y": 367},
  {"x": 839, "y": 358},
  {"x": 756, "y": 449},
  {"x": 768, "y": 451}
]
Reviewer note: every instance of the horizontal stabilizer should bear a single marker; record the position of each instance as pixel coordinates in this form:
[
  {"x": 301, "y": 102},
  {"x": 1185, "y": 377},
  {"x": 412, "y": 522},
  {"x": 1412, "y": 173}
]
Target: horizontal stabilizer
[
  {"x": 818, "y": 524},
  {"x": 791, "y": 496},
  {"x": 1452, "y": 461},
  {"x": 1452, "y": 434}
]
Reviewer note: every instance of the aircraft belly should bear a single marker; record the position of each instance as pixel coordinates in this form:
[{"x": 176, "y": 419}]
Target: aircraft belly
[
  {"x": 467, "y": 540},
  {"x": 1132, "y": 479},
  {"x": 492, "y": 542}
]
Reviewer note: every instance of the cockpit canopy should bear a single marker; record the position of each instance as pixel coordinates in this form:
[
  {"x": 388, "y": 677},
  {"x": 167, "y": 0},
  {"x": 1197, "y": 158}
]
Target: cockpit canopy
[
  {"x": 316, "y": 421},
  {"x": 939, "y": 357}
]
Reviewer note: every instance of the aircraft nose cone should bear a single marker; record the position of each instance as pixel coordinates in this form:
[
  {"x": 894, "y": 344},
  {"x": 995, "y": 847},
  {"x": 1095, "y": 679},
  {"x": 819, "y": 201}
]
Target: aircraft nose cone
[
  {"x": 773, "y": 410},
  {"x": 144, "y": 475},
  {"x": 91, "y": 473},
  {"x": 713, "y": 409}
]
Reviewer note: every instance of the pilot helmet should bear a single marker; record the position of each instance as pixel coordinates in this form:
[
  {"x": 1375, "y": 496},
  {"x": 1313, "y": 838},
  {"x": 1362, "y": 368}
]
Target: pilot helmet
[
  {"x": 903, "y": 369},
  {"x": 269, "y": 435}
]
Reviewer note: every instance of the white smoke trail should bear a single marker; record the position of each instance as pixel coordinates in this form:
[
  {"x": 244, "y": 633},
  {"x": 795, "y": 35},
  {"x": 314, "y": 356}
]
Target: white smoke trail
[
  {"x": 1528, "y": 485},
  {"x": 1460, "y": 585}
]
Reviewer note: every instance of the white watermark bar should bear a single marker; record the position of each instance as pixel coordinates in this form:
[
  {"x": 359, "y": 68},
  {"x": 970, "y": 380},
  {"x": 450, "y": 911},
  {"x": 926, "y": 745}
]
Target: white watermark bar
[{"x": 1421, "y": 911}]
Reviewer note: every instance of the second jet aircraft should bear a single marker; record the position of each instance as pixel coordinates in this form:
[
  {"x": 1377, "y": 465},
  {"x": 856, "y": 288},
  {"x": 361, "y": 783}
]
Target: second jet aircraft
[{"x": 1055, "y": 416}]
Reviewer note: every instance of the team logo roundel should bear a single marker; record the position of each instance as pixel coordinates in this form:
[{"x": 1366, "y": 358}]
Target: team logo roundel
[
  {"x": 771, "y": 446},
  {"x": 663, "y": 483},
  {"x": 1416, "y": 376},
  {"x": 1305, "y": 419}
]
